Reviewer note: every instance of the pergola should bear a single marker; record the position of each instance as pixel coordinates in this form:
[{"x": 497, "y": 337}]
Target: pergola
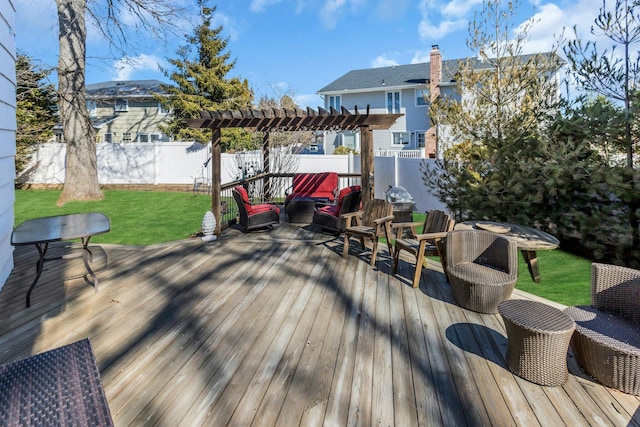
[{"x": 273, "y": 120}]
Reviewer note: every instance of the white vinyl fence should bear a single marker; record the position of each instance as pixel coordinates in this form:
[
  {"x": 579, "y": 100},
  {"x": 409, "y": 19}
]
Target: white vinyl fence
[{"x": 187, "y": 163}]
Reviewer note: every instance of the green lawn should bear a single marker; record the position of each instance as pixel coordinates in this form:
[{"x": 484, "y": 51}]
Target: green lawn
[
  {"x": 146, "y": 217},
  {"x": 137, "y": 217}
]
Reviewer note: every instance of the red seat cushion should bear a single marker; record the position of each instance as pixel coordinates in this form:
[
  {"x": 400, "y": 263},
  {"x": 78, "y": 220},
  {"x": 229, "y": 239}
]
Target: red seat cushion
[{"x": 264, "y": 207}]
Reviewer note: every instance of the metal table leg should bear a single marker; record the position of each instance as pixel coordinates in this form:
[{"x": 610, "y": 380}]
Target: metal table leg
[
  {"x": 42, "y": 251},
  {"x": 87, "y": 256}
]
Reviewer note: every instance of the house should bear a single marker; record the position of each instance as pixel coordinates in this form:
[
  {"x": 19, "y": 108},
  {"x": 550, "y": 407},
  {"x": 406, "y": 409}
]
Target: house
[
  {"x": 126, "y": 111},
  {"x": 405, "y": 89},
  {"x": 8, "y": 135}
]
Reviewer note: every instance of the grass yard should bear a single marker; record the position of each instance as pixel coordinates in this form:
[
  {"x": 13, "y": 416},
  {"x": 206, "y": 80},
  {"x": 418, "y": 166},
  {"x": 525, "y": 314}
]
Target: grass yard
[
  {"x": 137, "y": 217},
  {"x": 147, "y": 217}
]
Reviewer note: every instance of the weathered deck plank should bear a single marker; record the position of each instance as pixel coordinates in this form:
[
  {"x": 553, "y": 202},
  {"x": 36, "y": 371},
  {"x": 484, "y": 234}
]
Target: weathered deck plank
[{"x": 277, "y": 328}]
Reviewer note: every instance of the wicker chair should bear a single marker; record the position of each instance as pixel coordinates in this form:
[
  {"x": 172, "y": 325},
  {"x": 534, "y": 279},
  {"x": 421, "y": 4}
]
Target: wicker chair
[
  {"x": 428, "y": 243},
  {"x": 330, "y": 217},
  {"x": 606, "y": 342},
  {"x": 372, "y": 223},
  {"x": 482, "y": 268},
  {"x": 254, "y": 216}
]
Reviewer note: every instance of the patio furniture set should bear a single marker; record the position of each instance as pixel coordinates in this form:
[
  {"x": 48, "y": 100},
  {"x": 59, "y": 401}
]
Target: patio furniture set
[{"x": 479, "y": 261}]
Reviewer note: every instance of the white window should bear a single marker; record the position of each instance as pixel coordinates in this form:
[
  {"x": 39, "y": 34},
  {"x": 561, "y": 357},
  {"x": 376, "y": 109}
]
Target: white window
[
  {"x": 335, "y": 102},
  {"x": 126, "y": 137},
  {"x": 420, "y": 139},
  {"x": 401, "y": 138},
  {"x": 155, "y": 137},
  {"x": 142, "y": 137},
  {"x": 163, "y": 110},
  {"x": 91, "y": 108},
  {"x": 393, "y": 102},
  {"x": 108, "y": 137},
  {"x": 121, "y": 105},
  {"x": 348, "y": 139},
  {"x": 422, "y": 97}
]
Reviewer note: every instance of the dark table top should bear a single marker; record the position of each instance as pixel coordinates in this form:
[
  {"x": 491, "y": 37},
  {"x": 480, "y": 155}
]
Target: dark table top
[{"x": 60, "y": 228}]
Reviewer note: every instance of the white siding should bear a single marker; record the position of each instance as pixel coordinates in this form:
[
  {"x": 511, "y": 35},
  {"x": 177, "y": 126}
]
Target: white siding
[{"x": 7, "y": 134}]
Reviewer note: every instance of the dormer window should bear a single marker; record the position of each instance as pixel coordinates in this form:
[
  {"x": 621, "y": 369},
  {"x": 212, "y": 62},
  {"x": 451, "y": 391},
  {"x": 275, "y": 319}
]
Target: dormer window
[{"x": 121, "y": 105}]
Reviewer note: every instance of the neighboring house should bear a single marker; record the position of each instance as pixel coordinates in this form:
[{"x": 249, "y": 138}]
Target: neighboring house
[
  {"x": 7, "y": 134},
  {"x": 125, "y": 111},
  {"x": 405, "y": 89}
]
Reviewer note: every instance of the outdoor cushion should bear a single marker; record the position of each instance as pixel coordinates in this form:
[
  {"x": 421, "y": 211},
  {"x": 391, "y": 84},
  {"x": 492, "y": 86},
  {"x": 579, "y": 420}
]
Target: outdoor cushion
[
  {"x": 251, "y": 209},
  {"x": 314, "y": 185}
]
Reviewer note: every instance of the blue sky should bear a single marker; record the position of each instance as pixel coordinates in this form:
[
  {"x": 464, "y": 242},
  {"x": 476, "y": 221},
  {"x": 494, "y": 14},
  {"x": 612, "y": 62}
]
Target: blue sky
[{"x": 298, "y": 46}]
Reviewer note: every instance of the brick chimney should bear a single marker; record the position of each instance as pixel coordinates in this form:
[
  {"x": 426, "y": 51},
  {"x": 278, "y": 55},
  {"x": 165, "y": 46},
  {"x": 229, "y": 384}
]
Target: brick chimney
[
  {"x": 435, "y": 70},
  {"x": 435, "y": 77}
]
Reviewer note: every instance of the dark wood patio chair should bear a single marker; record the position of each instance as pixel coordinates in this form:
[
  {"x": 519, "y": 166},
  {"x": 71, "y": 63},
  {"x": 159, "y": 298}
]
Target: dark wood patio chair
[
  {"x": 428, "y": 243},
  {"x": 371, "y": 223},
  {"x": 254, "y": 216},
  {"x": 606, "y": 342}
]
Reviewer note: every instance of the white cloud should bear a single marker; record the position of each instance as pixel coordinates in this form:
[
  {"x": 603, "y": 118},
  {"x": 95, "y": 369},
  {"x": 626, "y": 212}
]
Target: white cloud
[
  {"x": 551, "y": 20},
  {"x": 421, "y": 56},
  {"x": 126, "y": 67},
  {"x": 333, "y": 10},
  {"x": 383, "y": 61},
  {"x": 311, "y": 100},
  {"x": 428, "y": 31},
  {"x": 459, "y": 8},
  {"x": 260, "y": 6}
]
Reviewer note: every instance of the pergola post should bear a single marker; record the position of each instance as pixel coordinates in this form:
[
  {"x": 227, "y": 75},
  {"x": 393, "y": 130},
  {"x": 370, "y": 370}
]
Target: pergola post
[
  {"x": 366, "y": 162},
  {"x": 216, "y": 177},
  {"x": 266, "y": 166}
]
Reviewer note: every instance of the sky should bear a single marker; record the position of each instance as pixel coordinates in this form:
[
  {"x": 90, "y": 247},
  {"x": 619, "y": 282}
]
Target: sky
[{"x": 296, "y": 47}]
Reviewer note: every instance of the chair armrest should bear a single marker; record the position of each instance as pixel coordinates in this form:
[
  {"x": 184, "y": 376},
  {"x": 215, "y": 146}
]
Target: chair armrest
[
  {"x": 349, "y": 217},
  {"x": 400, "y": 226},
  {"x": 431, "y": 236},
  {"x": 384, "y": 219}
]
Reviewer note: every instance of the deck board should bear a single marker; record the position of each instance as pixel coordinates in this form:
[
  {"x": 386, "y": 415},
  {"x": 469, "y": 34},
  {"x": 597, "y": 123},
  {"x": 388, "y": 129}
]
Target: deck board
[{"x": 277, "y": 328}]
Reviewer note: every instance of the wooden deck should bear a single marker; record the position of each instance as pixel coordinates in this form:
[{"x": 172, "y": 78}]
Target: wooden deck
[{"x": 277, "y": 328}]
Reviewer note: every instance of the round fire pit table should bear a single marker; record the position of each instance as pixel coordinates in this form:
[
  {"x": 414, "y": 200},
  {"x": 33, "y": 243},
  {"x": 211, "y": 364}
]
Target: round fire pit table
[{"x": 539, "y": 337}]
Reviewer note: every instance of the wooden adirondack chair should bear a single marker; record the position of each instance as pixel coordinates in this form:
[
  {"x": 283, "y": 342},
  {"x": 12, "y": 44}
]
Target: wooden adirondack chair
[
  {"x": 371, "y": 223},
  {"x": 428, "y": 243}
]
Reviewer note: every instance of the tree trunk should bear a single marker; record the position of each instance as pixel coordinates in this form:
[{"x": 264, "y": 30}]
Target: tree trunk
[{"x": 81, "y": 174}]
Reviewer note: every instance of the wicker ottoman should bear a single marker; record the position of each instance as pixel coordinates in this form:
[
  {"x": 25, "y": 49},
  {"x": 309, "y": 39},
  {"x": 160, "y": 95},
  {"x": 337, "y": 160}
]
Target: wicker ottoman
[
  {"x": 539, "y": 337},
  {"x": 300, "y": 210}
]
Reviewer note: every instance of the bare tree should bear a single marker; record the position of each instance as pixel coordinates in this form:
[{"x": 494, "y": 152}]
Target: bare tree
[{"x": 156, "y": 17}]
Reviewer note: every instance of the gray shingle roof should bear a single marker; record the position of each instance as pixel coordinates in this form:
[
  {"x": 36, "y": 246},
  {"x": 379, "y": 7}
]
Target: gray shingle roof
[
  {"x": 125, "y": 89},
  {"x": 402, "y": 75},
  {"x": 394, "y": 76}
]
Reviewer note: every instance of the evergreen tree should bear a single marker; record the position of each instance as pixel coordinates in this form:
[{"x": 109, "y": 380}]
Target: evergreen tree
[
  {"x": 615, "y": 76},
  {"x": 201, "y": 83},
  {"x": 35, "y": 108},
  {"x": 498, "y": 124}
]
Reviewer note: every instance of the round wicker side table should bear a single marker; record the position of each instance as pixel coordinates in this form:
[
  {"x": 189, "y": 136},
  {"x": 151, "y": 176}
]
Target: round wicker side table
[{"x": 538, "y": 341}]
